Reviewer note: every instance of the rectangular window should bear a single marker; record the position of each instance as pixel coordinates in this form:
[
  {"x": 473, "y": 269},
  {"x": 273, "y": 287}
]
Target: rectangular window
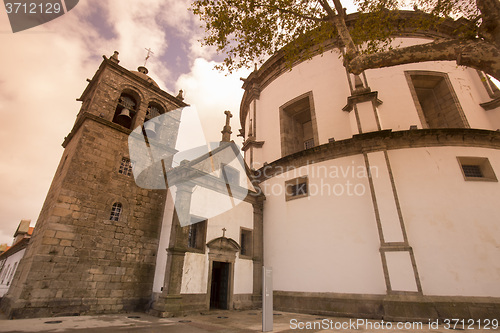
[
  {"x": 490, "y": 86},
  {"x": 116, "y": 210},
  {"x": 476, "y": 169},
  {"x": 197, "y": 234},
  {"x": 308, "y": 143},
  {"x": 472, "y": 170},
  {"x": 436, "y": 102},
  {"x": 296, "y": 188},
  {"x": 246, "y": 243},
  {"x": 125, "y": 167},
  {"x": 298, "y": 125}
]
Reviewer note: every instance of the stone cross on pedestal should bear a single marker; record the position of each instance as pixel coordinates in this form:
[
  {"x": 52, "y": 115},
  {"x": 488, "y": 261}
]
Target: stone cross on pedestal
[{"x": 226, "y": 132}]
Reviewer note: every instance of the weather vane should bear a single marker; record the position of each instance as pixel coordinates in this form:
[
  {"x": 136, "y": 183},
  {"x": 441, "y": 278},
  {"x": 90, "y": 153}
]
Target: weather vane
[{"x": 148, "y": 55}]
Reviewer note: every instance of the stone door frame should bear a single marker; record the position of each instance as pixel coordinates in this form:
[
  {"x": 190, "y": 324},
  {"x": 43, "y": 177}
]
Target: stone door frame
[{"x": 222, "y": 249}]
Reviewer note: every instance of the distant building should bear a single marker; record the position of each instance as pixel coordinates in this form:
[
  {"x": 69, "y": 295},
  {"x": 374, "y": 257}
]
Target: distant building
[{"x": 10, "y": 258}]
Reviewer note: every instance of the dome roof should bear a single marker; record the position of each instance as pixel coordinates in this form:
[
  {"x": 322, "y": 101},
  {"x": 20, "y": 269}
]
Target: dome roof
[{"x": 142, "y": 73}]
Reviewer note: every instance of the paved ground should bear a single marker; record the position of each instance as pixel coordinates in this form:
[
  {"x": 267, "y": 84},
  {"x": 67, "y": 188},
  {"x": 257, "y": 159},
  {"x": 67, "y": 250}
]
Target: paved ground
[{"x": 221, "y": 321}]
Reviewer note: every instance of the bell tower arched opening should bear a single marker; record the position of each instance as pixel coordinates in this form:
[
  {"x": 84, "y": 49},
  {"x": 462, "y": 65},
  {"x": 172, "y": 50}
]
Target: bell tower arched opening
[{"x": 126, "y": 109}]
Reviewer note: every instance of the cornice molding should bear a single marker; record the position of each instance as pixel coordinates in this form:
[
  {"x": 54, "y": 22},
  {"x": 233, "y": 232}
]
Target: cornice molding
[{"x": 380, "y": 141}]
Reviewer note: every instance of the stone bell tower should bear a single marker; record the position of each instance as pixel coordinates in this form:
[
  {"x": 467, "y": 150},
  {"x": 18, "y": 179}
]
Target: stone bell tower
[{"x": 96, "y": 239}]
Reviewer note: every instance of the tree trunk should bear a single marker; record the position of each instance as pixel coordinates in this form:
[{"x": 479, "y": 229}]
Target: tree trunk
[{"x": 477, "y": 54}]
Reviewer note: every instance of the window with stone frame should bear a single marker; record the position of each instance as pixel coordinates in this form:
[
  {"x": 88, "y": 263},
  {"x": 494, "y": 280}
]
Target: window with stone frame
[
  {"x": 197, "y": 235},
  {"x": 489, "y": 85},
  {"x": 125, "y": 167},
  {"x": 246, "y": 243},
  {"x": 12, "y": 272},
  {"x": 2, "y": 268},
  {"x": 298, "y": 125},
  {"x": 5, "y": 272},
  {"x": 296, "y": 188},
  {"x": 476, "y": 169},
  {"x": 436, "y": 102},
  {"x": 116, "y": 210}
]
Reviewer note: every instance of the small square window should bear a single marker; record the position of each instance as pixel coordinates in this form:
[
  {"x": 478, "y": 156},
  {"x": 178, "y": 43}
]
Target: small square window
[
  {"x": 125, "y": 167},
  {"x": 472, "y": 170},
  {"x": 308, "y": 143},
  {"x": 296, "y": 188},
  {"x": 476, "y": 169},
  {"x": 197, "y": 233},
  {"x": 246, "y": 243}
]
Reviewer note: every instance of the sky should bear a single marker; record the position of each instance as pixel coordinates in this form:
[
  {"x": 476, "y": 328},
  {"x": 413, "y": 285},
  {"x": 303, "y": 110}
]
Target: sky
[{"x": 44, "y": 70}]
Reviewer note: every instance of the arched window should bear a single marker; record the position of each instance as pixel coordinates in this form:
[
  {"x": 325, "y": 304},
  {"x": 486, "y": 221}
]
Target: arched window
[
  {"x": 125, "y": 110},
  {"x": 154, "y": 110},
  {"x": 116, "y": 210}
]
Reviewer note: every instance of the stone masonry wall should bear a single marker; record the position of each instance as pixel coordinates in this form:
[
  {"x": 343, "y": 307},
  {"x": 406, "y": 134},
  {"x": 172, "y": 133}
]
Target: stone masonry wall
[{"x": 78, "y": 260}]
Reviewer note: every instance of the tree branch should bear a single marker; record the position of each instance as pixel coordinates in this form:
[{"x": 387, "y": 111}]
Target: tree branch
[
  {"x": 329, "y": 11},
  {"x": 490, "y": 14},
  {"x": 339, "y": 22},
  {"x": 472, "y": 53}
]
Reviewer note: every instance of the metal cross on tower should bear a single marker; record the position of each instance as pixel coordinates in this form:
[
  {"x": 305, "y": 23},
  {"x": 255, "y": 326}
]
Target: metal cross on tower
[{"x": 148, "y": 55}]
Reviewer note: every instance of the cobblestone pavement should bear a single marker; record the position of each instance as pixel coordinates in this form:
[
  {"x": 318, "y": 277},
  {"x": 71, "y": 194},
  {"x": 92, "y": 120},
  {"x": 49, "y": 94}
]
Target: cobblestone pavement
[{"x": 227, "y": 322}]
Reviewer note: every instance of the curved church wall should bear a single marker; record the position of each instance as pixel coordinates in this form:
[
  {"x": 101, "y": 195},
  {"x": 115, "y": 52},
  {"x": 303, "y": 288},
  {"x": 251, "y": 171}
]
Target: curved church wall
[
  {"x": 417, "y": 239},
  {"x": 324, "y": 242},
  {"x": 452, "y": 223},
  {"x": 325, "y": 78}
]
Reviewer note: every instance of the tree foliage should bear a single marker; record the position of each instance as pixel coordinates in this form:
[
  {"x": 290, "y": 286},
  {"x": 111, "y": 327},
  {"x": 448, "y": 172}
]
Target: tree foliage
[{"x": 248, "y": 31}]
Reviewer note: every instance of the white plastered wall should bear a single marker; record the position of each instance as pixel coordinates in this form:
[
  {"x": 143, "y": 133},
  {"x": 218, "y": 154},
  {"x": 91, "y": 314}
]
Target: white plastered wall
[
  {"x": 8, "y": 272},
  {"x": 326, "y": 78},
  {"x": 328, "y": 241},
  {"x": 195, "y": 271},
  {"x": 398, "y": 110},
  {"x": 452, "y": 224}
]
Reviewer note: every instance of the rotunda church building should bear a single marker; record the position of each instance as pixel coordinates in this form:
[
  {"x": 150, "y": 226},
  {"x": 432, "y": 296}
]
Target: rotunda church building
[{"x": 381, "y": 189}]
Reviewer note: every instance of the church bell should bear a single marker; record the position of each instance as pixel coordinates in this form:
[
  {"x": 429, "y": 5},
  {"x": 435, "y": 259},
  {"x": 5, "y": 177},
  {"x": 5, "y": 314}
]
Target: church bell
[
  {"x": 150, "y": 129},
  {"x": 124, "y": 117}
]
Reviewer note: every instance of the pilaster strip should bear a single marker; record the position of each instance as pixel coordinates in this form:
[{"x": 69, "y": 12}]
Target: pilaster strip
[{"x": 379, "y": 224}]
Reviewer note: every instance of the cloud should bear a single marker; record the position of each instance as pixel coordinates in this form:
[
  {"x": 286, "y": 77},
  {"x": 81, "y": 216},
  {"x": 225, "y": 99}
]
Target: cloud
[
  {"x": 44, "y": 71},
  {"x": 213, "y": 92}
]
